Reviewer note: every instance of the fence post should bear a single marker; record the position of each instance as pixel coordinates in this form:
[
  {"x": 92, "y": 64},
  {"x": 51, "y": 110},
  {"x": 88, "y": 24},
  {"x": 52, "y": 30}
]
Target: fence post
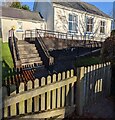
[
  {"x": 80, "y": 90},
  {"x": 22, "y": 103},
  {"x": 108, "y": 78}
]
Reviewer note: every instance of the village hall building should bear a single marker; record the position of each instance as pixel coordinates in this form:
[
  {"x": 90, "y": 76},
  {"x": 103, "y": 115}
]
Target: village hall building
[
  {"x": 76, "y": 18},
  {"x": 20, "y": 20}
]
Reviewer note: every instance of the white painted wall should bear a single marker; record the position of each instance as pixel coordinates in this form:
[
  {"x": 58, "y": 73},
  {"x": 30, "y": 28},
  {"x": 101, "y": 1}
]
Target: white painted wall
[
  {"x": 7, "y": 24},
  {"x": 61, "y": 21},
  {"x": 46, "y": 10},
  {"x": 57, "y": 16}
]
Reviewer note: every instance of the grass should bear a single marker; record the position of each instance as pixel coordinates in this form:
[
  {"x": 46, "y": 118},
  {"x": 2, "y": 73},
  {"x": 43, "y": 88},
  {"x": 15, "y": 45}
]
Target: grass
[
  {"x": 7, "y": 62},
  {"x": 6, "y": 55},
  {"x": 86, "y": 61}
]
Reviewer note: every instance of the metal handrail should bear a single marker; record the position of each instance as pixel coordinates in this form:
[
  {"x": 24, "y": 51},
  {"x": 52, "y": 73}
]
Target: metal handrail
[
  {"x": 14, "y": 45},
  {"x": 58, "y": 35},
  {"x": 43, "y": 44}
]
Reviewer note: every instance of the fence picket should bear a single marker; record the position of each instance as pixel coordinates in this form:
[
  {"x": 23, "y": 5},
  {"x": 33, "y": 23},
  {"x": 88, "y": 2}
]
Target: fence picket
[
  {"x": 48, "y": 94},
  {"x": 43, "y": 95},
  {"x": 58, "y": 92},
  {"x": 72, "y": 73},
  {"x": 63, "y": 75},
  {"x": 63, "y": 90},
  {"x": 72, "y": 93},
  {"x": 109, "y": 77},
  {"x": 105, "y": 87},
  {"x": 13, "y": 107},
  {"x": 94, "y": 75},
  {"x": 29, "y": 101},
  {"x": 54, "y": 93},
  {"x": 85, "y": 84},
  {"x": 88, "y": 84},
  {"x": 91, "y": 82},
  {"x": 5, "y": 113},
  {"x": 22, "y": 103},
  {"x": 36, "y": 99},
  {"x": 68, "y": 73},
  {"x": 67, "y": 95}
]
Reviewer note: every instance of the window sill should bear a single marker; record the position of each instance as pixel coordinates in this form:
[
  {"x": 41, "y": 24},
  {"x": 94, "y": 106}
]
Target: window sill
[
  {"x": 102, "y": 33},
  {"x": 88, "y": 33},
  {"x": 72, "y": 32},
  {"x": 19, "y": 31}
]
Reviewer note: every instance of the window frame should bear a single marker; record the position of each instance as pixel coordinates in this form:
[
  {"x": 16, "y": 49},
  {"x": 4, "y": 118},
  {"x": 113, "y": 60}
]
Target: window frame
[
  {"x": 73, "y": 22},
  {"x": 90, "y": 24},
  {"x": 20, "y": 26},
  {"x": 102, "y": 27}
]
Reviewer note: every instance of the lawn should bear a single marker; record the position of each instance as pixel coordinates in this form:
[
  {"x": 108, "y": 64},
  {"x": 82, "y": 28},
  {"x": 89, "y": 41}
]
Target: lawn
[
  {"x": 6, "y": 55},
  {"x": 7, "y": 62},
  {"x": 86, "y": 61}
]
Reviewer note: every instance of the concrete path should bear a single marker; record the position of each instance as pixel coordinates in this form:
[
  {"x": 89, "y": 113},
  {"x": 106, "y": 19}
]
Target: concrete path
[{"x": 103, "y": 110}]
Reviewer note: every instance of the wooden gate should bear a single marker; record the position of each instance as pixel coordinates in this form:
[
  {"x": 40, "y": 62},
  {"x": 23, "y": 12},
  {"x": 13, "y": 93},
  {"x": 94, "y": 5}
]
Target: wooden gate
[{"x": 58, "y": 95}]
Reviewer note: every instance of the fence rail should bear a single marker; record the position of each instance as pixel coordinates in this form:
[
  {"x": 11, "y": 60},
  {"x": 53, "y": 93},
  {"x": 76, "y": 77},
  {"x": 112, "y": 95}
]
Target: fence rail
[
  {"x": 79, "y": 87},
  {"x": 67, "y": 40}
]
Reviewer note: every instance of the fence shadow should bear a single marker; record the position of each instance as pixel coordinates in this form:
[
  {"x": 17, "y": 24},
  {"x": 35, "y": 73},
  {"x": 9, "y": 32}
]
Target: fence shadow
[
  {"x": 70, "y": 90},
  {"x": 92, "y": 87}
]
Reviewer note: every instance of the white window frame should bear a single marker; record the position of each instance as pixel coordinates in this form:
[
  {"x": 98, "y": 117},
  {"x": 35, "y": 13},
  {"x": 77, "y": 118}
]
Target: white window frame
[
  {"x": 74, "y": 23},
  {"x": 90, "y": 24},
  {"x": 20, "y": 26},
  {"x": 102, "y": 27}
]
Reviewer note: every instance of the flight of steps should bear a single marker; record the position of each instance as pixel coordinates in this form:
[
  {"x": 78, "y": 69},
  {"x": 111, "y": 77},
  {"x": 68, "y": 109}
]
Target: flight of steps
[{"x": 28, "y": 53}]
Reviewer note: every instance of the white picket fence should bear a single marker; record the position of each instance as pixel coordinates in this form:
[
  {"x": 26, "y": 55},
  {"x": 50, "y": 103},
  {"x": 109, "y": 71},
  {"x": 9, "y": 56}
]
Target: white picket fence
[{"x": 59, "y": 94}]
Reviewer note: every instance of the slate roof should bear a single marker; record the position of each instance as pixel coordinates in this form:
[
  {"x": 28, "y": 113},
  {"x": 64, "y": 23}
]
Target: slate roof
[
  {"x": 21, "y": 14},
  {"x": 83, "y": 6}
]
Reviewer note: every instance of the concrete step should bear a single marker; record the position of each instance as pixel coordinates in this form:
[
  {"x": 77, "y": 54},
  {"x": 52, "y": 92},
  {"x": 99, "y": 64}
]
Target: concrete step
[
  {"x": 22, "y": 56},
  {"x": 28, "y": 52},
  {"x": 30, "y": 63},
  {"x": 22, "y": 42},
  {"x": 26, "y": 45},
  {"x": 30, "y": 59},
  {"x": 26, "y": 48}
]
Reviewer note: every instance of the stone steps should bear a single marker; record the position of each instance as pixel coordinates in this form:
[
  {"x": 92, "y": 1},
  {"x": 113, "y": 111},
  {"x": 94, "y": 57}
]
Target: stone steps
[
  {"x": 22, "y": 56},
  {"x": 30, "y": 59},
  {"x": 28, "y": 54},
  {"x": 30, "y": 63},
  {"x": 26, "y": 48}
]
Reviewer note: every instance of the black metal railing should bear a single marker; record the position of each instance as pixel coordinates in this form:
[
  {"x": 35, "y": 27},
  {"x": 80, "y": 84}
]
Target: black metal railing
[
  {"x": 34, "y": 35},
  {"x": 13, "y": 47},
  {"x": 81, "y": 40},
  {"x": 16, "y": 47}
]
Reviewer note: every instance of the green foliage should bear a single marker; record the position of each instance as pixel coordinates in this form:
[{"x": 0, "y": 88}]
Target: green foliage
[
  {"x": 108, "y": 49},
  {"x": 25, "y": 7},
  {"x": 16, "y": 5},
  {"x": 20, "y": 6},
  {"x": 86, "y": 61},
  {"x": 113, "y": 33}
]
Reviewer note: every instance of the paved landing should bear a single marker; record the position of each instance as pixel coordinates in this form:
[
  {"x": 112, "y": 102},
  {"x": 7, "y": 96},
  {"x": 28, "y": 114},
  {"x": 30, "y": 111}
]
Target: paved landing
[{"x": 103, "y": 110}]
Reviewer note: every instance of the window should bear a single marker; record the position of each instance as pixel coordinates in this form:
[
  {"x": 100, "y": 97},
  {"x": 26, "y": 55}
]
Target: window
[
  {"x": 89, "y": 25},
  {"x": 73, "y": 23},
  {"x": 102, "y": 26},
  {"x": 20, "y": 26}
]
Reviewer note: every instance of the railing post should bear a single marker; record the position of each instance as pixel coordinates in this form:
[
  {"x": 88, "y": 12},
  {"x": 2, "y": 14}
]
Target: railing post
[
  {"x": 31, "y": 34},
  {"x": 80, "y": 90},
  {"x": 25, "y": 34}
]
